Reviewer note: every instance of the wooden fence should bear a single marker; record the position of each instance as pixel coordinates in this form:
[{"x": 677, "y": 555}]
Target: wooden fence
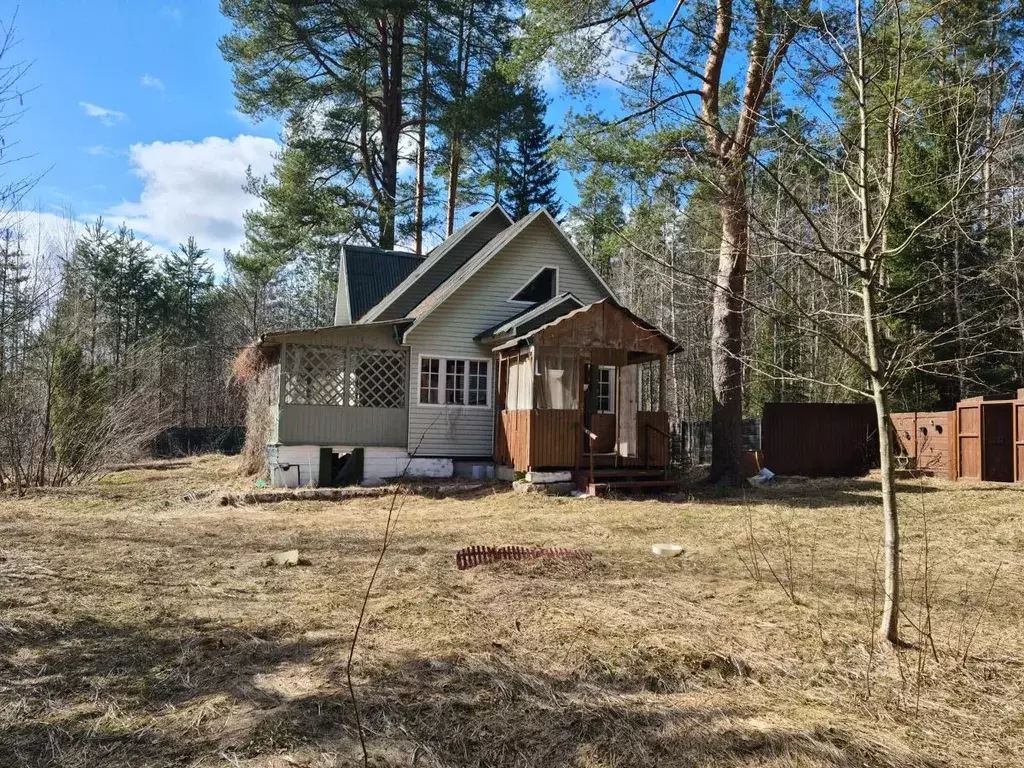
[{"x": 819, "y": 439}]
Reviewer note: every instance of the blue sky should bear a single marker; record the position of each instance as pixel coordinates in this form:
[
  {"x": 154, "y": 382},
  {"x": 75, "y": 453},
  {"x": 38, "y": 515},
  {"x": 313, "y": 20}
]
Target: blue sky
[{"x": 132, "y": 117}]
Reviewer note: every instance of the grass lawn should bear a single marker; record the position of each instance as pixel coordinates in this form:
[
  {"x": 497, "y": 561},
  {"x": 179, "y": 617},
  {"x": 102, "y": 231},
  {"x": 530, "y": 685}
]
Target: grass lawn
[{"x": 137, "y": 628}]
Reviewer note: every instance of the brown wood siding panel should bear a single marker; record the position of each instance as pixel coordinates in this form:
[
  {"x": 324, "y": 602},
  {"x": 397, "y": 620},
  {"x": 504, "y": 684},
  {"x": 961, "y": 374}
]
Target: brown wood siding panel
[
  {"x": 819, "y": 439},
  {"x": 652, "y": 445},
  {"x": 603, "y": 326},
  {"x": 1018, "y": 439},
  {"x": 515, "y": 428},
  {"x": 603, "y": 425},
  {"x": 555, "y": 436},
  {"x": 968, "y": 417}
]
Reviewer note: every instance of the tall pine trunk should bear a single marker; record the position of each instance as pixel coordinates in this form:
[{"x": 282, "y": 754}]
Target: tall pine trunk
[
  {"x": 421, "y": 157},
  {"x": 727, "y": 329},
  {"x": 391, "y": 52}
]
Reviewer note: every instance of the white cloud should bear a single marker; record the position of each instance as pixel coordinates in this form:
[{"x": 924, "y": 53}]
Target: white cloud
[
  {"x": 97, "y": 150},
  {"x": 148, "y": 81},
  {"x": 195, "y": 188},
  {"x": 106, "y": 116},
  {"x": 171, "y": 12},
  {"x": 48, "y": 235}
]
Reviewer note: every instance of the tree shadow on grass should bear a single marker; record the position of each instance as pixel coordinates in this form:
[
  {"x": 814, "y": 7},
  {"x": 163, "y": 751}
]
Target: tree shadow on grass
[
  {"x": 802, "y": 493},
  {"x": 97, "y": 694},
  {"x": 486, "y": 711}
]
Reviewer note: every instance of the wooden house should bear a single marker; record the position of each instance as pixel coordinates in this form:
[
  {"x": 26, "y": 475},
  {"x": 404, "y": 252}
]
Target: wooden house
[{"x": 502, "y": 345}]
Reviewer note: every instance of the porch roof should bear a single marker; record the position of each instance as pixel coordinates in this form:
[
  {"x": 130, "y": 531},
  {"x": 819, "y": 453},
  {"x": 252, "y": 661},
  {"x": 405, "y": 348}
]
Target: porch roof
[
  {"x": 530, "y": 319},
  {"x": 273, "y": 338},
  {"x": 605, "y": 323}
]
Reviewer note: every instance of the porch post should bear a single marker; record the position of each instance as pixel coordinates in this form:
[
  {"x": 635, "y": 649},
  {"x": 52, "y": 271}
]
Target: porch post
[{"x": 661, "y": 381}]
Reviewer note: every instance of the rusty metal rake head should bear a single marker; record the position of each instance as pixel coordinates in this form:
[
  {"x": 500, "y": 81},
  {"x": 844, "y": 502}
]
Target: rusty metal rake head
[{"x": 468, "y": 557}]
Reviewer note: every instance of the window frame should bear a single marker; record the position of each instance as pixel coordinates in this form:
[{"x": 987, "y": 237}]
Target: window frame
[
  {"x": 522, "y": 302},
  {"x": 443, "y": 380},
  {"x": 611, "y": 389},
  {"x": 440, "y": 380}
]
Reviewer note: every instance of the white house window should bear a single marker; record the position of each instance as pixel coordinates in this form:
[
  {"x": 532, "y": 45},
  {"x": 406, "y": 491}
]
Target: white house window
[
  {"x": 453, "y": 381},
  {"x": 477, "y": 384},
  {"x": 430, "y": 380},
  {"x": 606, "y": 389},
  {"x": 542, "y": 286}
]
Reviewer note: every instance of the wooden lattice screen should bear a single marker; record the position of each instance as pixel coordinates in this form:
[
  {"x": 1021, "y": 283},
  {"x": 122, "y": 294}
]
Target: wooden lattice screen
[{"x": 361, "y": 378}]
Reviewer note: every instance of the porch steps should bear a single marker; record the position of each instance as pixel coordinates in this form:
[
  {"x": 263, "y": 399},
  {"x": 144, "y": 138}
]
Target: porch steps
[{"x": 625, "y": 481}]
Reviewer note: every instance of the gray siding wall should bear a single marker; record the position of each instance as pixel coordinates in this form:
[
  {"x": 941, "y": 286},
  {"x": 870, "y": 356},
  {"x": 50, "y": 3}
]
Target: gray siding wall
[
  {"x": 342, "y": 425},
  {"x": 479, "y": 304},
  {"x": 482, "y": 233}
]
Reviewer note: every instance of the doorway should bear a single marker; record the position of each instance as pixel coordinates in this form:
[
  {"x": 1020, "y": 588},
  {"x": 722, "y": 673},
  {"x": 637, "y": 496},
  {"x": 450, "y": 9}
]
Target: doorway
[{"x": 599, "y": 407}]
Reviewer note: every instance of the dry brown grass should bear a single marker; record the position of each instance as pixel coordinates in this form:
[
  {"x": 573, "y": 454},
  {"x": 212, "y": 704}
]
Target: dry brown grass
[{"x": 138, "y": 629}]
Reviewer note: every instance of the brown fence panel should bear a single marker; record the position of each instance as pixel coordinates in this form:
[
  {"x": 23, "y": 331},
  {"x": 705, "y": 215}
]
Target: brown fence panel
[
  {"x": 968, "y": 417},
  {"x": 905, "y": 426},
  {"x": 653, "y": 442},
  {"x": 1018, "y": 441},
  {"x": 820, "y": 439},
  {"x": 927, "y": 438},
  {"x": 935, "y": 442}
]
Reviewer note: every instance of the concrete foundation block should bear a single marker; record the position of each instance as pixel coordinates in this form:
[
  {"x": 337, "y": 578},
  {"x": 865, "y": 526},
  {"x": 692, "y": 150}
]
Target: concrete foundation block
[
  {"x": 551, "y": 489},
  {"x": 549, "y": 477}
]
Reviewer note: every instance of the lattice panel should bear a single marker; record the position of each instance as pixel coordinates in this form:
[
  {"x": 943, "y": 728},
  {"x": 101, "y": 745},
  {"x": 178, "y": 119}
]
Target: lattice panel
[
  {"x": 363, "y": 378},
  {"x": 314, "y": 375},
  {"x": 379, "y": 378}
]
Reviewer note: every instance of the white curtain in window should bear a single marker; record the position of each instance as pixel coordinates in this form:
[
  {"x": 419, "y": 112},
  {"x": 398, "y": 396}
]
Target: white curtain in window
[
  {"x": 557, "y": 382},
  {"x": 519, "y": 396}
]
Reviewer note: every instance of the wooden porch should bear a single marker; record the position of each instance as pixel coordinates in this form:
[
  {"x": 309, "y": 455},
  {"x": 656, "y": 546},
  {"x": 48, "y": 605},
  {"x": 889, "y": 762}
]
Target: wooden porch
[{"x": 586, "y": 393}]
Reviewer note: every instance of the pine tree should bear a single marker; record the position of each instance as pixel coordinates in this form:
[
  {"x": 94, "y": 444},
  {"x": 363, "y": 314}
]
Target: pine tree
[
  {"x": 15, "y": 312},
  {"x": 532, "y": 176},
  {"x": 187, "y": 280},
  {"x": 597, "y": 219}
]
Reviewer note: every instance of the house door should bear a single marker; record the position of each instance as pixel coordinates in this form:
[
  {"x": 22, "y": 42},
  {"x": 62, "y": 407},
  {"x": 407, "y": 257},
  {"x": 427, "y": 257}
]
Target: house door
[{"x": 599, "y": 407}]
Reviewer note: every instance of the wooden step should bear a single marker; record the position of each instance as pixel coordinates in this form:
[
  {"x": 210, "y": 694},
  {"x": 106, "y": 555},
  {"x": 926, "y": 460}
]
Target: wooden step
[
  {"x": 626, "y": 472},
  {"x": 632, "y": 486}
]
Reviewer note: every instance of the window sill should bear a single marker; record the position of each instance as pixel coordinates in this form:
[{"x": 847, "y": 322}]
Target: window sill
[{"x": 453, "y": 405}]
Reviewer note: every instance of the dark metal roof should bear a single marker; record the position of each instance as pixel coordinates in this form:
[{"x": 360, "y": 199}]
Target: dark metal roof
[
  {"x": 443, "y": 262},
  {"x": 372, "y": 274},
  {"x": 533, "y": 317}
]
